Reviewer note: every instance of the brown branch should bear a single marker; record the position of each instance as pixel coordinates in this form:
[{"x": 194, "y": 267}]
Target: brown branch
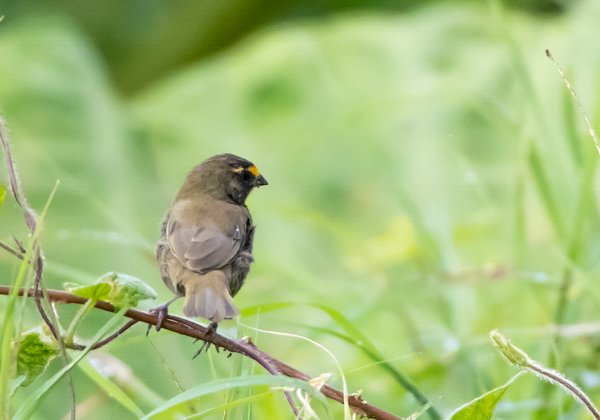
[
  {"x": 191, "y": 329},
  {"x": 172, "y": 323}
]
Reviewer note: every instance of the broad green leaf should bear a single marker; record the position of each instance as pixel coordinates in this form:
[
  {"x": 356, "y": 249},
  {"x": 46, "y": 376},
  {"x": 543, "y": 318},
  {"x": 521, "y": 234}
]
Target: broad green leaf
[
  {"x": 100, "y": 291},
  {"x": 127, "y": 290},
  {"x": 116, "y": 288},
  {"x": 235, "y": 382},
  {"x": 12, "y": 317},
  {"x": 36, "y": 350},
  {"x": 28, "y": 407},
  {"x": 482, "y": 407}
]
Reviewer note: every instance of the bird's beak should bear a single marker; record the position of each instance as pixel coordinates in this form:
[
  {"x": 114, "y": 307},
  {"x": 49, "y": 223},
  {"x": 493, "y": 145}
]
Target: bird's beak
[{"x": 260, "y": 181}]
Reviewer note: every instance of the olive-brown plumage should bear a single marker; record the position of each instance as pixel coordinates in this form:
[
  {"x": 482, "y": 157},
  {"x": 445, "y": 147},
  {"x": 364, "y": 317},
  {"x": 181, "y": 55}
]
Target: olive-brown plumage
[{"x": 205, "y": 249}]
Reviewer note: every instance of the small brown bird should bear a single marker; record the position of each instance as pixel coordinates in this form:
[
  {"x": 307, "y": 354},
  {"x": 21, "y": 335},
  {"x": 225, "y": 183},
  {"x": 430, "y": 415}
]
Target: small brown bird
[{"x": 205, "y": 249}]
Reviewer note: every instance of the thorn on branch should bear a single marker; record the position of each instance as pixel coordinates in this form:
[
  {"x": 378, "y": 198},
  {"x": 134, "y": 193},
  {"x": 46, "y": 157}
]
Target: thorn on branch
[{"x": 191, "y": 329}]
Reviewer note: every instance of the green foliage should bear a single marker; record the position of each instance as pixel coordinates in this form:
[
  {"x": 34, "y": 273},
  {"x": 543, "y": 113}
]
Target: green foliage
[
  {"x": 117, "y": 288},
  {"x": 280, "y": 382},
  {"x": 2, "y": 194},
  {"x": 482, "y": 407},
  {"x": 430, "y": 181},
  {"x": 13, "y": 318},
  {"x": 110, "y": 387},
  {"x": 28, "y": 407},
  {"x": 517, "y": 357},
  {"x": 35, "y": 351}
]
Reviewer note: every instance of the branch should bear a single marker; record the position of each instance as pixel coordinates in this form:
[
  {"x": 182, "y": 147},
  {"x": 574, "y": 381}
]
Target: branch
[
  {"x": 172, "y": 323},
  {"x": 191, "y": 329}
]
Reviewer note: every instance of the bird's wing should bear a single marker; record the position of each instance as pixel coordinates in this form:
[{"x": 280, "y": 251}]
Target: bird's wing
[{"x": 203, "y": 248}]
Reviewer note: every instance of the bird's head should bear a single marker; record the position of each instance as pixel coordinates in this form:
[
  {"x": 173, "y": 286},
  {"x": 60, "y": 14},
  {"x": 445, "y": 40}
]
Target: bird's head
[{"x": 224, "y": 177}]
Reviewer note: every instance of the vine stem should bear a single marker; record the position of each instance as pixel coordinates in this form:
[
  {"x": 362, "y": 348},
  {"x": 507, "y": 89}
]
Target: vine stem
[{"x": 553, "y": 377}]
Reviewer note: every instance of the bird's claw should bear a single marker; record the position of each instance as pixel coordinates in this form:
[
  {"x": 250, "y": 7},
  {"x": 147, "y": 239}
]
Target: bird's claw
[
  {"x": 212, "y": 328},
  {"x": 161, "y": 313}
]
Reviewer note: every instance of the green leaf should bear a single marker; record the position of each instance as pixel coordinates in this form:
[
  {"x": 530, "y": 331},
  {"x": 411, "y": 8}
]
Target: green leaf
[
  {"x": 100, "y": 291},
  {"x": 482, "y": 407},
  {"x": 13, "y": 318},
  {"x": 2, "y": 193},
  {"x": 235, "y": 382},
  {"x": 28, "y": 407},
  {"x": 36, "y": 350},
  {"x": 128, "y": 290},
  {"x": 116, "y": 288}
]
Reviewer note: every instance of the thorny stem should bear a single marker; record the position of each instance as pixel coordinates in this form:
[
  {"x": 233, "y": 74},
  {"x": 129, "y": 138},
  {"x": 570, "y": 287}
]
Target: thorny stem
[
  {"x": 172, "y": 323},
  {"x": 191, "y": 329}
]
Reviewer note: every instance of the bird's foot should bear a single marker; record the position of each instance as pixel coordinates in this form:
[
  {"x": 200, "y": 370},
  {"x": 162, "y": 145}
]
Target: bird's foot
[
  {"x": 161, "y": 313},
  {"x": 212, "y": 329}
]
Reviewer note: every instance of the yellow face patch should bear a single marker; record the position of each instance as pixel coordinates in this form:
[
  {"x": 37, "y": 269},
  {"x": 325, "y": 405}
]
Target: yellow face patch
[{"x": 254, "y": 171}]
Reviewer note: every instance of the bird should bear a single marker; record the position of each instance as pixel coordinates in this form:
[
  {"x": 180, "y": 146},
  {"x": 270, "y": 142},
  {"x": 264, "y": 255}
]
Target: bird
[{"x": 205, "y": 246}]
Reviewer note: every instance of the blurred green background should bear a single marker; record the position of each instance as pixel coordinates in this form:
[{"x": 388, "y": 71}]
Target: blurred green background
[{"x": 430, "y": 179}]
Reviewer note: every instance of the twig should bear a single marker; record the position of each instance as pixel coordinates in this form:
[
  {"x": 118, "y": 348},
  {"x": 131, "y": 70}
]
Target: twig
[
  {"x": 11, "y": 250},
  {"x": 30, "y": 220},
  {"x": 37, "y": 257},
  {"x": 191, "y": 329}
]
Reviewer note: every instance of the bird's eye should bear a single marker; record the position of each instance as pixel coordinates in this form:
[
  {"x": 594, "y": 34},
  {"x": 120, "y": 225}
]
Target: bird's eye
[{"x": 246, "y": 175}]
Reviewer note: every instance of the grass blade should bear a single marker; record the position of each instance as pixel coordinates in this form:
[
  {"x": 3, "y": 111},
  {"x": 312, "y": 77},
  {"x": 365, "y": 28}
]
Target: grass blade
[
  {"x": 110, "y": 388},
  {"x": 356, "y": 338},
  {"x": 9, "y": 329},
  {"x": 544, "y": 186},
  {"x": 229, "y": 383},
  {"x": 31, "y": 403},
  {"x": 231, "y": 404}
]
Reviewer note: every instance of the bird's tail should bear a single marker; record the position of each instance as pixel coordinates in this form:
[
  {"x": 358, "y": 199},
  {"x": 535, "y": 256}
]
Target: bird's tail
[{"x": 207, "y": 296}]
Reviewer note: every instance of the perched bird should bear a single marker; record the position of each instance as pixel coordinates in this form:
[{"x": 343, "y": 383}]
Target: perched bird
[{"x": 205, "y": 248}]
